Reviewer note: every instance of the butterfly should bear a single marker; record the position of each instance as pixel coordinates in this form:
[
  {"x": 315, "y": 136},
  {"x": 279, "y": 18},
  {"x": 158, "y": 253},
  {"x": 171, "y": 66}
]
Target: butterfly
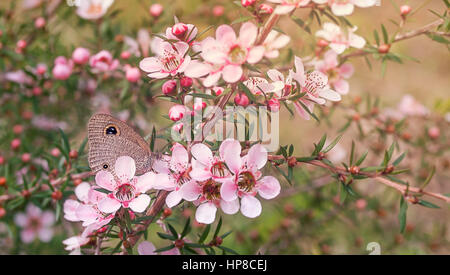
[{"x": 110, "y": 138}]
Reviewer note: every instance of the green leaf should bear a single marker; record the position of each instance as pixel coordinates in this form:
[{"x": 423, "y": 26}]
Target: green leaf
[
  {"x": 352, "y": 153},
  {"x": 172, "y": 230},
  {"x": 319, "y": 146},
  {"x": 429, "y": 177},
  {"x": 186, "y": 228},
  {"x": 402, "y": 214},
  {"x": 332, "y": 144},
  {"x": 166, "y": 236},
  {"x": 385, "y": 34},
  {"x": 241, "y": 20},
  {"x": 438, "y": 38},
  {"x": 229, "y": 250},
  {"x": 361, "y": 159},
  {"x": 427, "y": 204},
  {"x": 204, "y": 234},
  {"x": 219, "y": 225},
  {"x": 377, "y": 38},
  {"x": 399, "y": 159},
  {"x": 165, "y": 248}
]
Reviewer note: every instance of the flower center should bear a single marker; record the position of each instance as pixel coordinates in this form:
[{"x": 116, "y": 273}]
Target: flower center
[
  {"x": 237, "y": 54},
  {"x": 94, "y": 9},
  {"x": 184, "y": 177},
  {"x": 219, "y": 170},
  {"x": 125, "y": 192},
  {"x": 211, "y": 190},
  {"x": 246, "y": 181},
  {"x": 315, "y": 80},
  {"x": 170, "y": 61},
  {"x": 35, "y": 223}
]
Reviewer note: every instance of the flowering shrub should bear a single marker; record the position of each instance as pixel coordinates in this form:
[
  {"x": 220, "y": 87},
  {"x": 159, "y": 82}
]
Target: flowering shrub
[{"x": 258, "y": 61}]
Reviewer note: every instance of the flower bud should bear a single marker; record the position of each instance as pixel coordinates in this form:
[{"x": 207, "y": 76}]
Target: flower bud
[
  {"x": 73, "y": 154},
  {"x": 179, "y": 243},
  {"x": 17, "y": 129},
  {"x": 405, "y": 10},
  {"x": 169, "y": 87},
  {"x": 186, "y": 82},
  {"x": 125, "y": 55},
  {"x": 57, "y": 195},
  {"x": 434, "y": 132},
  {"x": 39, "y": 22},
  {"x": 81, "y": 56},
  {"x": 199, "y": 105},
  {"x": 26, "y": 157},
  {"x": 132, "y": 74},
  {"x": 2, "y": 181},
  {"x": 292, "y": 161},
  {"x": 15, "y": 144},
  {"x": 77, "y": 181},
  {"x": 41, "y": 69},
  {"x": 2, "y": 212},
  {"x": 246, "y": 3},
  {"x": 179, "y": 30},
  {"x": 274, "y": 105},
  {"x": 384, "y": 48},
  {"x": 156, "y": 10},
  {"x": 25, "y": 193},
  {"x": 2, "y": 160},
  {"x": 241, "y": 100},
  {"x": 264, "y": 8},
  {"x": 37, "y": 91},
  {"x": 354, "y": 170},
  {"x": 167, "y": 212},
  {"x": 55, "y": 152},
  {"x": 322, "y": 43},
  {"x": 21, "y": 44},
  {"x": 389, "y": 169},
  {"x": 361, "y": 204},
  {"x": 218, "y": 10},
  {"x": 177, "y": 112}
]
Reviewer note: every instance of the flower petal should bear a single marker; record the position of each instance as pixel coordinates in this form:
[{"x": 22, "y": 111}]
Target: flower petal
[
  {"x": 145, "y": 182},
  {"x": 230, "y": 207},
  {"x": 82, "y": 191},
  {"x": 228, "y": 191},
  {"x": 190, "y": 191},
  {"x": 125, "y": 168},
  {"x": 140, "y": 203},
  {"x": 255, "y": 54},
  {"x": 232, "y": 156},
  {"x": 150, "y": 64},
  {"x": 206, "y": 213},
  {"x": 174, "y": 198},
  {"x": 257, "y": 156},
  {"x": 250, "y": 206},
  {"x": 269, "y": 187},
  {"x": 247, "y": 34},
  {"x": 105, "y": 180},
  {"x": 202, "y": 153},
  {"x": 146, "y": 248},
  {"x": 108, "y": 205},
  {"x": 232, "y": 73}
]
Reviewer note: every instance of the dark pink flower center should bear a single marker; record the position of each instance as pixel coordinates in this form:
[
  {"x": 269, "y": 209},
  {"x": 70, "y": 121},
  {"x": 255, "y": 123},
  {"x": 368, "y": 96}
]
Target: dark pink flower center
[
  {"x": 219, "y": 170},
  {"x": 125, "y": 192},
  {"x": 237, "y": 54},
  {"x": 211, "y": 190},
  {"x": 246, "y": 181}
]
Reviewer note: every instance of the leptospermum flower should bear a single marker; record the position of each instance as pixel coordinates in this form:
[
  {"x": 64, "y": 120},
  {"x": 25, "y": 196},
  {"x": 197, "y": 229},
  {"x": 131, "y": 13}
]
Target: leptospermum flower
[
  {"x": 336, "y": 74},
  {"x": 247, "y": 180},
  {"x": 170, "y": 59},
  {"x": 127, "y": 190},
  {"x": 35, "y": 223},
  {"x": 93, "y": 9},
  {"x": 227, "y": 53},
  {"x": 345, "y": 7},
  {"x": 275, "y": 41},
  {"x": 286, "y": 6},
  {"x": 103, "y": 61},
  {"x": 182, "y": 32},
  {"x": 315, "y": 86},
  {"x": 339, "y": 40}
]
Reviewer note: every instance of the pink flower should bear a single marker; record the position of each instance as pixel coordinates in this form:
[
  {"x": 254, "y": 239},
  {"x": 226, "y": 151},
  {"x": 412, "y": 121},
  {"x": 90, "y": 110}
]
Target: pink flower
[
  {"x": 314, "y": 84},
  {"x": 241, "y": 99},
  {"x": 254, "y": 84},
  {"x": 273, "y": 43},
  {"x": 246, "y": 3},
  {"x": 93, "y": 9},
  {"x": 183, "y": 32},
  {"x": 337, "y": 74},
  {"x": 132, "y": 74},
  {"x": 274, "y": 104},
  {"x": 103, "y": 62},
  {"x": 409, "y": 106},
  {"x": 345, "y": 7},
  {"x": 177, "y": 112},
  {"x": 19, "y": 77},
  {"x": 248, "y": 180},
  {"x": 39, "y": 22},
  {"x": 156, "y": 10},
  {"x": 41, "y": 68},
  {"x": 405, "y": 10},
  {"x": 127, "y": 190},
  {"x": 169, "y": 87},
  {"x": 227, "y": 53},
  {"x": 218, "y": 10},
  {"x": 434, "y": 132},
  {"x": 63, "y": 68},
  {"x": 286, "y": 6},
  {"x": 169, "y": 60},
  {"x": 35, "y": 223},
  {"x": 339, "y": 40},
  {"x": 81, "y": 56},
  {"x": 264, "y": 8}
]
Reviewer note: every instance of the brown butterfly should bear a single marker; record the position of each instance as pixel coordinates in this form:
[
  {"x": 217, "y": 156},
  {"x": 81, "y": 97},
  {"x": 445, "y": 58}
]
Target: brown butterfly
[{"x": 110, "y": 138}]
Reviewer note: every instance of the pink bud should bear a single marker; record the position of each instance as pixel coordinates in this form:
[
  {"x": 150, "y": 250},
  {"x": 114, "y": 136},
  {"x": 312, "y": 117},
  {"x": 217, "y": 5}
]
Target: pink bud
[
  {"x": 218, "y": 10},
  {"x": 26, "y": 157},
  {"x": 61, "y": 72},
  {"x": 81, "y": 56},
  {"x": 125, "y": 55},
  {"x": 15, "y": 143},
  {"x": 37, "y": 91},
  {"x": 177, "y": 127},
  {"x": 179, "y": 30},
  {"x": 17, "y": 129},
  {"x": 169, "y": 87},
  {"x": 133, "y": 74},
  {"x": 264, "y": 8},
  {"x": 218, "y": 90},
  {"x": 39, "y": 22},
  {"x": 434, "y": 132},
  {"x": 177, "y": 112},
  {"x": 246, "y": 3},
  {"x": 156, "y": 10},
  {"x": 21, "y": 44},
  {"x": 55, "y": 152},
  {"x": 186, "y": 82},
  {"x": 274, "y": 105},
  {"x": 241, "y": 100},
  {"x": 361, "y": 204},
  {"x": 199, "y": 105},
  {"x": 405, "y": 9},
  {"x": 2, "y": 160},
  {"x": 41, "y": 69}
]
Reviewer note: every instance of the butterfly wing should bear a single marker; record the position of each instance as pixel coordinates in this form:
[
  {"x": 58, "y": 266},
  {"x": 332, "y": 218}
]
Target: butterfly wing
[{"x": 110, "y": 138}]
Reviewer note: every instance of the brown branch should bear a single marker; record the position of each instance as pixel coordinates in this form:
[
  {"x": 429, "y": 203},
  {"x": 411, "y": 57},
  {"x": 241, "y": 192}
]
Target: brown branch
[{"x": 403, "y": 189}]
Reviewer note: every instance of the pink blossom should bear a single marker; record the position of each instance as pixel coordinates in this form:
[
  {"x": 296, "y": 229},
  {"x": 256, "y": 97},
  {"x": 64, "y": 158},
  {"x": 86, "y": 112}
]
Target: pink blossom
[
  {"x": 41, "y": 68},
  {"x": 274, "y": 104},
  {"x": 81, "y": 56},
  {"x": 274, "y": 42},
  {"x": 286, "y": 6},
  {"x": 19, "y": 77},
  {"x": 35, "y": 223},
  {"x": 169, "y": 87},
  {"x": 39, "y": 22},
  {"x": 405, "y": 10},
  {"x": 345, "y": 7},
  {"x": 264, "y": 8},
  {"x": 169, "y": 60},
  {"x": 227, "y": 53},
  {"x": 246, "y": 3},
  {"x": 434, "y": 132},
  {"x": 156, "y": 10},
  {"x": 103, "y": 62},
  {"x": 63, "y": 68},
  {"x": 409, "y": 106},
  {"x": 127, "y": 190},
  {"x": 177, "y": 112},
  {"x": 93, "y": 9},
  {"x": 248, "y": 180},
  {"x": 132, "y": 74},
  {"x": 337, "y": 74},
  {"x": 218, "y": 10},
  {"x": 339, "y": 40},
  {"x": 182, "y": 32},
  {"x": 241, "y": 99}
]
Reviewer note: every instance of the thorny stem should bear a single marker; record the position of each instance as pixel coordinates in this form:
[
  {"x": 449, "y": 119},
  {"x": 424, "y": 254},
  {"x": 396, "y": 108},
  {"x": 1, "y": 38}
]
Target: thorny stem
[{"x": 403, "y": 189}]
